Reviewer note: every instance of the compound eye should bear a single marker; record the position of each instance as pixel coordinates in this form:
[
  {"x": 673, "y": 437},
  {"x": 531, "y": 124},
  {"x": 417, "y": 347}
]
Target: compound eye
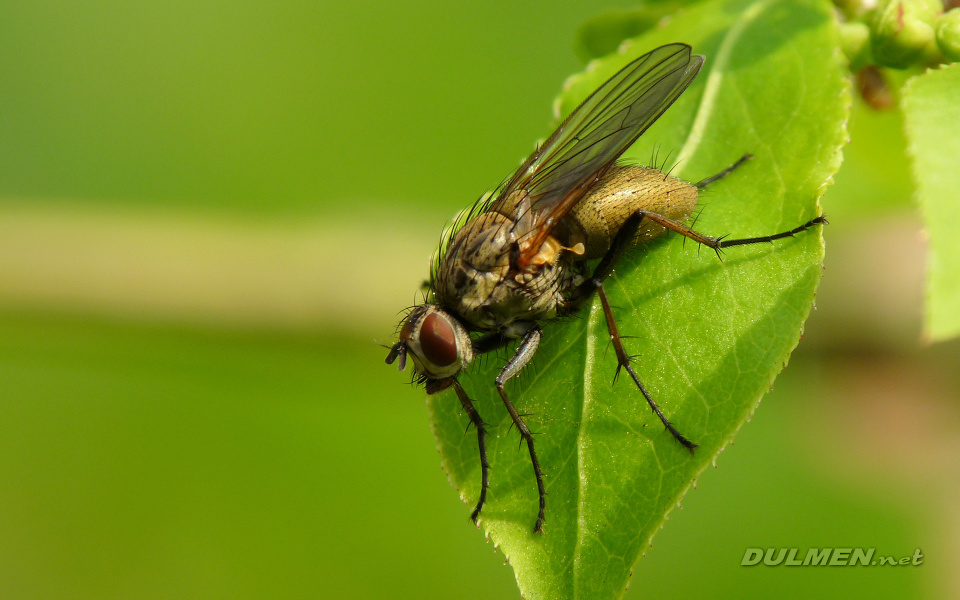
[{"x": 438, "y": 341}]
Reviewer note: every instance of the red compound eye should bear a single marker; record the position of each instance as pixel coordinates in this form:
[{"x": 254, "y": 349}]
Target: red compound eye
[{"x": 437, "y": 340}]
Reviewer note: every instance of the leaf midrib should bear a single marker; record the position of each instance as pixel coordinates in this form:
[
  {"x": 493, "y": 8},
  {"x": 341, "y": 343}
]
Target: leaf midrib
[{"x": 693, "y": 139}]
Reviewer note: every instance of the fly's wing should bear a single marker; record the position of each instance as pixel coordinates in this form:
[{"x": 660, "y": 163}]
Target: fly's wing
[{"x": 556, "y": 176}]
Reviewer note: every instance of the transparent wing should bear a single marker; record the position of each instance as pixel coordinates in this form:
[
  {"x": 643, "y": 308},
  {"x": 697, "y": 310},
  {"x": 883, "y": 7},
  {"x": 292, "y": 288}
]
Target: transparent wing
[{"x": 556, "y": 176}]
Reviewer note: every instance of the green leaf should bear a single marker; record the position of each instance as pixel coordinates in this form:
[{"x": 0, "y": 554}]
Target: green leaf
[
  {"x": 932, "y": 120},
  {"x": 603, "y": 33},
  {"x": 710, "y": 335}
]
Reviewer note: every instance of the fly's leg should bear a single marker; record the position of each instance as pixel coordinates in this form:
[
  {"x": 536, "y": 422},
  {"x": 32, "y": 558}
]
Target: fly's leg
[
  {"x": 481, "y": 441},
  {"x": 622, "y": 241},
  {"x": 821, "y": 220},
  {"x": 526, "y": 350},
  {"x": 717, "y": 244},
  {"x": 623, "y": 362},
  {"x": 705, "y": 182}
]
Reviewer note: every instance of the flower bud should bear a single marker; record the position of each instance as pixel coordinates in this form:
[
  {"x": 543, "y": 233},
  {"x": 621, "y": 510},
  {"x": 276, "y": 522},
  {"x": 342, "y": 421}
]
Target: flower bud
[
  {"x": 948, "y": 34},
  {"x": 902, "y": 32},
  {"x": 855, "y": 41}
]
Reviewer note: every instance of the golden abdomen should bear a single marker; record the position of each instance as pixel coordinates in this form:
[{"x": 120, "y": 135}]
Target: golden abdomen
[{"x": 624, "y": 190}]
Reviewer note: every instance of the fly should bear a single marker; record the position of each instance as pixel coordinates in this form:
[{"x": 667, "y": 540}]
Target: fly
[{"x": 523, "y": 254}]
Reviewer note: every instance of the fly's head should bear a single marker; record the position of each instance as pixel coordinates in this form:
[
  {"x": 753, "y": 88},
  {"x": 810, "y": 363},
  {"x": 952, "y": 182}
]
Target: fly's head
[{"x": 438, "y": 344}]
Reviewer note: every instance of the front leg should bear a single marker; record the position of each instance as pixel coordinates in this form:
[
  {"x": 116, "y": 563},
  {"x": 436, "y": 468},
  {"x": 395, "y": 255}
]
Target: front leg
[
  {"x": 526, "y": 350},
  {"x": 481, "y": 441}
]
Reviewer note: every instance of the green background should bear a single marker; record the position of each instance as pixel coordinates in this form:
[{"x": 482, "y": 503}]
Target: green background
[{"x": 149, "y": 451}]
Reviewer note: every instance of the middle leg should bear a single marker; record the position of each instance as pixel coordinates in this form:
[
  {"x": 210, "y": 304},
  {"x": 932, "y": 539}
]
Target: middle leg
[
  {"x": 623, "y": 362},
  {"x": 622, "y": 241}
]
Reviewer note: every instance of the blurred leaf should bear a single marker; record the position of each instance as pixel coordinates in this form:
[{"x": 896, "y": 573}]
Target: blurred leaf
[
  {"x": 932, "y": 123},
  {"x": 875, "y": 177},
  {"x": 711, "y": 335},
  {"x": 602, "y": 34},
  {"x": 148, "y": 460}
]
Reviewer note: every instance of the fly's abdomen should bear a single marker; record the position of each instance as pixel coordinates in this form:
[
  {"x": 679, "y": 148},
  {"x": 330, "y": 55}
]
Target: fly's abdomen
[{"x": 621, "y": 192}]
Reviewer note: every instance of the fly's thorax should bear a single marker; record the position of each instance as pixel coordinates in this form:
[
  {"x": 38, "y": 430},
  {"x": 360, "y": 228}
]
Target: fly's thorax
[
  {"x": 438, "y": 344},
  {"x": 477, "y": 281},
  {"x": 476, "y": 262},
  {"x": 622, "y": 191}
]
